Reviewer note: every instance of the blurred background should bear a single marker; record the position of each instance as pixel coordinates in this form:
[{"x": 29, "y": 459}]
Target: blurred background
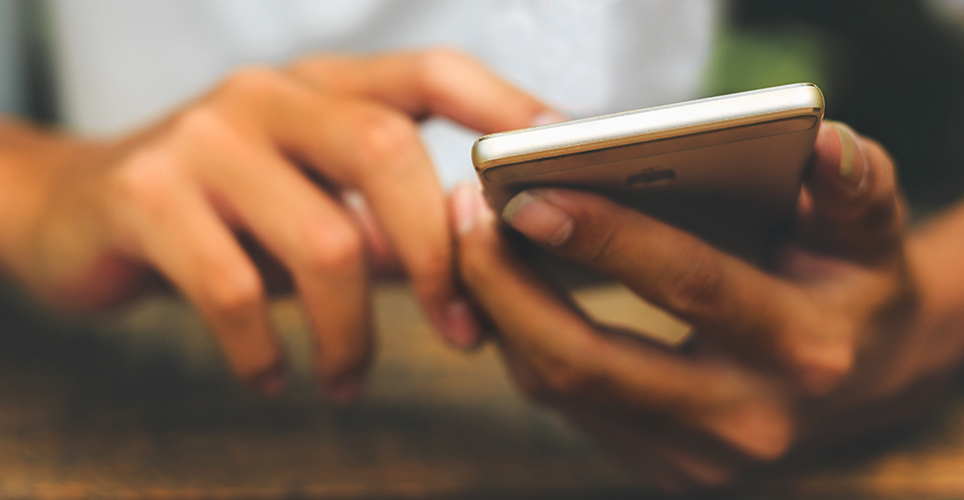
[
  {"x": 894, "y": 69},
  {"x": 117, "y": 403}
]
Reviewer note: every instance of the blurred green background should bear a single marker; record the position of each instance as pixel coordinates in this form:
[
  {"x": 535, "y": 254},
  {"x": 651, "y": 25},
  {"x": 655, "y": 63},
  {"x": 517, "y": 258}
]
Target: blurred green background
[{"x": 890, "y": 68}]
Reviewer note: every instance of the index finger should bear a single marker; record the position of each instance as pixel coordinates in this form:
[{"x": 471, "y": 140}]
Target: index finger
[{"x": 441, "y": 81}]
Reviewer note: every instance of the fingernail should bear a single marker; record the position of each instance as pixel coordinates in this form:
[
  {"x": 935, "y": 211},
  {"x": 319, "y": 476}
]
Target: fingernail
[
  {"x": 346, "y": 390},
  {"x": 270, "y": 383},
  {"x": 469, "y": 206},
  {"x": 851, "y": 159},
  {"x": 462, "y": 327},
  {"x": 547, "y": 118},
  {"x": 542, "y": 222}
]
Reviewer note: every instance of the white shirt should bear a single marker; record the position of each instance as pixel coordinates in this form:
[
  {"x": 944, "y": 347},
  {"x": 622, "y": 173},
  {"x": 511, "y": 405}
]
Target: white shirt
[{"x": 123, "y": 64}]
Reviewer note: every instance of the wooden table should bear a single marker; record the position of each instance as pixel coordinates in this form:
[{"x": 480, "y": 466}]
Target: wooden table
[{"x": 139, "y": 405}]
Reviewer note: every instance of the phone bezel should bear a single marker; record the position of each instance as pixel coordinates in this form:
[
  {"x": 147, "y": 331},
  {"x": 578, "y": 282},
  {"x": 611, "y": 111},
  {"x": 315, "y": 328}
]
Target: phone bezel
[{"x": 700, "y": 117}]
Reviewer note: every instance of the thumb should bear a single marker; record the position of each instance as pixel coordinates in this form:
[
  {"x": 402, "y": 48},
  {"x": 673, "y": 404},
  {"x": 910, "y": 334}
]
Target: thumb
[{"x": 856, "y": 208}]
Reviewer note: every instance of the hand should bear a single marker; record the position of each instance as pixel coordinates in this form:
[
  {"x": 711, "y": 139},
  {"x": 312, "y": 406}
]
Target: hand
[
  {"x": 832, "y": 343},
  {"x": 264, "y": 156}
]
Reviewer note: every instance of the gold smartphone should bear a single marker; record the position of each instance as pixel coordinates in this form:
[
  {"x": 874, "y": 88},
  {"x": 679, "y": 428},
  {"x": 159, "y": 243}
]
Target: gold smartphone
[{"x": 727, "y": 168}]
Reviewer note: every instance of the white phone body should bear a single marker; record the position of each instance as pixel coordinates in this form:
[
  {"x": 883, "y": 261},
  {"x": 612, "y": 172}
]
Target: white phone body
[{"x": 728, "y": 168}]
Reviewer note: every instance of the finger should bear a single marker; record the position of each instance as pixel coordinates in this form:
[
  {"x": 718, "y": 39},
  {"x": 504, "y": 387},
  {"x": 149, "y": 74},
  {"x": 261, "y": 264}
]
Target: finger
[
  {"x": 747, "y": 309},
  {"x": 317, "y": 242},
  {"x": 177, "y": 231},
  {"x": 535, "y": 322},
  {"x": 372, "y": 148},
  {"x": 440, "y": 81},
  {"x": 856, "y": 209},
  {"x": 579, "y": 364}
]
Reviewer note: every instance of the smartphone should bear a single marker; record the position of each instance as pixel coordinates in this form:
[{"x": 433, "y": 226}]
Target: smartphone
[{"x": 726, "y": 168}]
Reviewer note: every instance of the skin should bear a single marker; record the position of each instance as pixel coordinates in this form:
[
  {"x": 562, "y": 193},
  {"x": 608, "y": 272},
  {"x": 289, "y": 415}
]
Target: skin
[
  {"x": 267, "y": 158},
  {"x": 855, "y": 329}
]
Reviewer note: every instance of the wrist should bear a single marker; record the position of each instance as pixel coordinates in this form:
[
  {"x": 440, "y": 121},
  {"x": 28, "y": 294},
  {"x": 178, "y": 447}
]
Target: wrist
[{"x": 32, "y": 163}]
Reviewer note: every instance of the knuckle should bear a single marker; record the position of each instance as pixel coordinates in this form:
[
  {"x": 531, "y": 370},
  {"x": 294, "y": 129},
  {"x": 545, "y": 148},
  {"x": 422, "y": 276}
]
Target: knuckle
[
  {"x": 599, "y": 224},
  {"x": 571, "y": 377},
  {"x": 325, "y": 72},
  {"x": 597, "y": 250},
  {"x": 441, "y": 57},
  {"x": 567, "y": 381},
  {"x": 765, "y": 450},
  {"x": 147, "y": 180},
  {"x": 436, "y": 63},
  {"x": 692, "y": 281},
  {"x": 381, "y": 136},
  {"x": 333, "y": 248},
  {"x": 821, "y": 364},
  {"x": 232, "y": 292},
  {"x": 762, "y": 434},
  {"x": 203, "y": 125},
  {"x": 252, "y": 82}
]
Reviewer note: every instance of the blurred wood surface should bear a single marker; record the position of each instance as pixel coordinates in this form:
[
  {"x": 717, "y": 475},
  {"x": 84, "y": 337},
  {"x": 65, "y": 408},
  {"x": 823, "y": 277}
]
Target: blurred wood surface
[{"x": 139, "y": 405}]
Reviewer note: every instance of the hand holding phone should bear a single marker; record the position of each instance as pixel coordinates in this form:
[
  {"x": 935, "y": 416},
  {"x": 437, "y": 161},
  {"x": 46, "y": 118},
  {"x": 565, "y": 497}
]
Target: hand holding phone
[{"x": 801, "y": 355}]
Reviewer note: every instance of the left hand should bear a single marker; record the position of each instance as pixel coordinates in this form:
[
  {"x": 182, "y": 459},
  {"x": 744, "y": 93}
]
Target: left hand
[
  {"x": 255, "y": 171},
  {"x": 828, "y": 345}
]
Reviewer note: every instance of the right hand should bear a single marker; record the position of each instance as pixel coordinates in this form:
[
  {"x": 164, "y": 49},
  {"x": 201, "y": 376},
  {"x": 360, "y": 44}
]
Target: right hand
[
  {"x": 240, "y": 160},
  {"x": 846, "y": 335}
]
